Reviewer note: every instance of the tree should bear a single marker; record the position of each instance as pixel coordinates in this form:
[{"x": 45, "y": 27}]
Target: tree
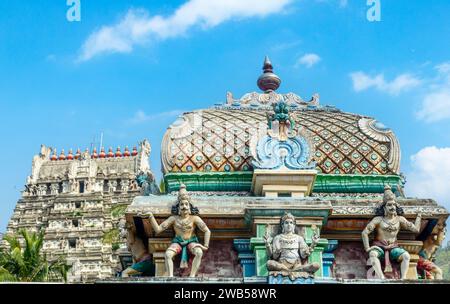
[{"x": 26, "y": 263}]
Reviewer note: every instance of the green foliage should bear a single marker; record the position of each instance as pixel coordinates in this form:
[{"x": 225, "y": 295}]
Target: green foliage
[
  {"x": 77, "y": 214},
  {"x": 162, "y": 186},
  {"x": 26, "y": 263},
  {"x": 112, "y": 237},
  {"x": 118, "y": 211},
  {"x": 443, "y": 261}
]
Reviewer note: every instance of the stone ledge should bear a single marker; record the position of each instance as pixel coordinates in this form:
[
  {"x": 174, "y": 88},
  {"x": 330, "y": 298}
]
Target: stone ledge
[{"x": 174, "y": 280}]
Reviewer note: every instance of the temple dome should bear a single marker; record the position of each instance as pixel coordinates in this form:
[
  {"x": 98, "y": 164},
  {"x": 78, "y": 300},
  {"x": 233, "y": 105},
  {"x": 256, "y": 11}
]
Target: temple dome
[{"x": 224, "y": 138}]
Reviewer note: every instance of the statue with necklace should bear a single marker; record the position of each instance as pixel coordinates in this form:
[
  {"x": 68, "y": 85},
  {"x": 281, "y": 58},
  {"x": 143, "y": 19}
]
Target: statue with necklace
[
  {"x": 185, "y": 220},
  {"x": 288, "y": 252},
  {"x": 387, "y": 224}
]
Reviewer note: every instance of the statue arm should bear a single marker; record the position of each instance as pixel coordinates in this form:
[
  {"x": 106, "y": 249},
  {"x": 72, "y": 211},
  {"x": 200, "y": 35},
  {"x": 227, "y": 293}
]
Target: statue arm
[
  {"x": 368, "y": 230},
  {"x": 275, "y": 248},
  {"x": 202, "y": 226},
  {"x": 410, "y": 226},
  {"x": 268, "y": 242},
  {"x": 304, "y": 250},
  {"x": 164, "y": 225}
]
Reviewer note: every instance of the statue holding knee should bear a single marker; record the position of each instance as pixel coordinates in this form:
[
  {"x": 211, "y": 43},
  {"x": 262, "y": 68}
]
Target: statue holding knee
[
  {"x": 387, "y": 224},
  {"x": 184, "y": 221},
  {"x": 287, "y": 251}
]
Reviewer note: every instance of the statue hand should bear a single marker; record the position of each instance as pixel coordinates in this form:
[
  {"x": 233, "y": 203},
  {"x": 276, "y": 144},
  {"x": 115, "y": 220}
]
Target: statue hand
[
  {"x": 371, "y": 248},
  {"x": 145, "y": 214},
  {"x": 267, "y": 238},
  {"x": 204, "y": 248}
]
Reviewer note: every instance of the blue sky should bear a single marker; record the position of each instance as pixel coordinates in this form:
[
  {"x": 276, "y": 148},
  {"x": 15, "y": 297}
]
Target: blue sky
[{"x": 130, "y": 67}]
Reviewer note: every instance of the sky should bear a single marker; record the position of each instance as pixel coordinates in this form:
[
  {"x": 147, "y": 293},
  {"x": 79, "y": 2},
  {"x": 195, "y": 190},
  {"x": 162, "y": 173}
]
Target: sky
[{"x": 127, "y": 69}]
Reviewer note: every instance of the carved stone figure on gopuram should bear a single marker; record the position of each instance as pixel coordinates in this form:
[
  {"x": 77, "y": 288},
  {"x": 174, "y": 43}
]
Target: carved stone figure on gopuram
[
  {"x": 184, "y": 221},
  {"x": 288, "y": 252},
  {"x": 387, "y": 225},
  {"x": 141, "y": 259},
  {"x": 426, "y": 267}
]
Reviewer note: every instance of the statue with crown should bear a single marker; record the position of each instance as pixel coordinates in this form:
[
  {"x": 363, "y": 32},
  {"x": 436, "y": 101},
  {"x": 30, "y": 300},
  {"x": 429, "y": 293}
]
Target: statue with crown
[
  {"x": 388, "y": 222},
  {"x": 185, "y": 221}
]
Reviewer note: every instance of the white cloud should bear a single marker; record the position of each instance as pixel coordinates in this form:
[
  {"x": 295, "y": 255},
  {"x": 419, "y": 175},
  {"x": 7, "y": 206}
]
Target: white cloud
[
  {"x": 430, "y": 175},
  {"x": 443, "y": 68},
  {"x": 341, "y": 3},
  {"x": 402, "y": 83},
  {"x": 137, "y": 27},
  {"x": 436, "y": 103},
  {"x": 308, "y": 60},
  {"x": 141, "y": 117},
  {"x": 435, "y": 106}
]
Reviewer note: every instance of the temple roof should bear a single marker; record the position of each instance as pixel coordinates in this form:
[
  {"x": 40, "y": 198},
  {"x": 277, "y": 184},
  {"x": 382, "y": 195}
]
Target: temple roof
[{"x": 224, "y": 138}]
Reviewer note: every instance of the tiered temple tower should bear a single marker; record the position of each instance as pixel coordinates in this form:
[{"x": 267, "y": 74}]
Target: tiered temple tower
[{"x": 78, "y": 201}]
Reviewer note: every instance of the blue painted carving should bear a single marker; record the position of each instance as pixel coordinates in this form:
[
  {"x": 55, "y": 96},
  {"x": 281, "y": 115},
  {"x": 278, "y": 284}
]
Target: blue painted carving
[
  {"x": 147, "y": 183},
  {"x": 279, "y": 279},
  {"x": 246, "y": 257},
  {"x": 274, "y": 154},
  {"x": 328, "y": 258}
]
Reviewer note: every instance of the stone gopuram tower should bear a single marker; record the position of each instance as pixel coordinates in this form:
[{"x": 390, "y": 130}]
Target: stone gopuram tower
[{"x": 78, "y": 201}]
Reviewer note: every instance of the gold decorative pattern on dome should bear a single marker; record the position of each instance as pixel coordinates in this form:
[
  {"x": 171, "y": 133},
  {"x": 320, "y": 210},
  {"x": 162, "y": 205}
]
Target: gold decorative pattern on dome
[{"x": 223, "y": 140}]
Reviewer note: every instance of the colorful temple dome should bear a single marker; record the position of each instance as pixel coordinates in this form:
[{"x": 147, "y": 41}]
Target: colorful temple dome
[
  {"x": 341, "y": 143},
  {"x": 224, "y": 137}
]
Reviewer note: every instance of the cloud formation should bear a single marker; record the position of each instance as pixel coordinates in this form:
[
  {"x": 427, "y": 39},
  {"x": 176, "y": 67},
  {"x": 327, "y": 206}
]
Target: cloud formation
[
  {"x": 141, "y": 117},
  {"x": 436, "y": 104},
  {"x": 308, "y": 60},
  {"x": 430, "y": 175},
  {"x": 402, "y": 83},
  {"x": 138, "y": 27}
]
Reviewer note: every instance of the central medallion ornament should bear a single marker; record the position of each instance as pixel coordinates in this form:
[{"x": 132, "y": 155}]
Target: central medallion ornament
[
  {"x": 282, "y": 159},
  {"x": 282, "y": 147}
]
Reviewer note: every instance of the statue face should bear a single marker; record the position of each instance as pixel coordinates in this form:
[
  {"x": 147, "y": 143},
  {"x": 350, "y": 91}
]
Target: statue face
[
  {"x": 288, "y": 226},
  {"x": 390, "y": 207},
  {"x": 185, "y": 207},
  {"x": 441, "y": 236}
]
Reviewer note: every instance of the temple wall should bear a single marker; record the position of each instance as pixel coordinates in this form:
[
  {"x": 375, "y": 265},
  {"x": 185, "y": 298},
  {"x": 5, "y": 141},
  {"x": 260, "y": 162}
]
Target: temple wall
[
  {"x": 221, "y": 260},
  {"x": 350, "y": 261}
]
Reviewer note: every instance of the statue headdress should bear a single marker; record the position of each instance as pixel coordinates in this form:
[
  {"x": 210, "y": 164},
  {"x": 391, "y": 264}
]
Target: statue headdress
[
  {"x": 184, "y": 195},
  {"x": 388, "y": 195}
]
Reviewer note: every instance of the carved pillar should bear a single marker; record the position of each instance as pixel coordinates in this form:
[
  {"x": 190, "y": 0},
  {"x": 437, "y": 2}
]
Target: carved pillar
[
  {"x": 246, "y": 257},
  {"x": 258, "y": 246},
  {"x": 328, "y": 258},
  {"x": 158, "y": 247},
  {"x": 413, "y": 247}
]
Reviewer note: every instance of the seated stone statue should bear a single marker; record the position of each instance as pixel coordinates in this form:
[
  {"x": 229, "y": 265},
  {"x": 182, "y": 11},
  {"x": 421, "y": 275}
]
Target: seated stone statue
[
  {"x": 387, "y": 224},
  {"x": 287, "y": 251},
  {"x": 184, "y": 221},
  {"x": 142, "y": 263}
]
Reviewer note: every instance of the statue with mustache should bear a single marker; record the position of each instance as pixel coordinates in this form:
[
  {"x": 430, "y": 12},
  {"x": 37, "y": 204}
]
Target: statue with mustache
[
  {"x": 387, "y": 225},
  {"x": 184, "y": 221}
]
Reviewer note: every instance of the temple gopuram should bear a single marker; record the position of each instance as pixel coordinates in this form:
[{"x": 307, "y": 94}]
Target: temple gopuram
[
  {"x": 267, "y": 188},
  {"x": 78, "y": 200}
]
